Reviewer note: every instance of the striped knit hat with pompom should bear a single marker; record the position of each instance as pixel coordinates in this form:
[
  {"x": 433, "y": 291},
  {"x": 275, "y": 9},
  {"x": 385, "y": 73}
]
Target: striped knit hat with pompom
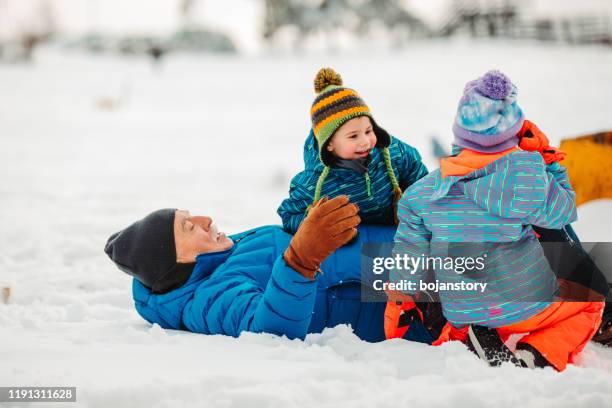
[{"x": 333, "y": 107}]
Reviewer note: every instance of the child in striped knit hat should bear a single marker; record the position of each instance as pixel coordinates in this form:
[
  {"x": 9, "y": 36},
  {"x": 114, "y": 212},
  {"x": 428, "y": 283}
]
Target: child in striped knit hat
[{"x": 348, "y": 153}]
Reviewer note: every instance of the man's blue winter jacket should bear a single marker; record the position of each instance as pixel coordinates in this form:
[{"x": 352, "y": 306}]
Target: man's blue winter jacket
[{"x": 250, "y": 288}]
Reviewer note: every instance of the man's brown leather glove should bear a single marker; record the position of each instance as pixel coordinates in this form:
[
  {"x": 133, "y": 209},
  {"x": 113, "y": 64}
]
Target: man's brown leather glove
[{"x": 328, "y": 225}]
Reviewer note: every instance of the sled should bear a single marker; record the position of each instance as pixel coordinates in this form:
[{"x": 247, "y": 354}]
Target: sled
[{"x": 589, "y": 165}]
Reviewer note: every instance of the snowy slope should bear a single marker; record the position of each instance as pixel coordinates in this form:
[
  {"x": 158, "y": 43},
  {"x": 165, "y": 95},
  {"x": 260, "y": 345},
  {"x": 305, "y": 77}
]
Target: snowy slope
[{"x": 222, "y": 136}]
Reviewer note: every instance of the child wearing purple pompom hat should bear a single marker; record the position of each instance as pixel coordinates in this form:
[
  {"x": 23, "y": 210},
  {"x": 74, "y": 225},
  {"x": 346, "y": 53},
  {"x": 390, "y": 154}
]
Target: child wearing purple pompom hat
[{"x": 503, "y": 181}]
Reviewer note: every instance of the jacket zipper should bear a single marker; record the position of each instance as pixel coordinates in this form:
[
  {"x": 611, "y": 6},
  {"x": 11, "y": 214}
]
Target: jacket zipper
[{"x": 368, "y": 184}]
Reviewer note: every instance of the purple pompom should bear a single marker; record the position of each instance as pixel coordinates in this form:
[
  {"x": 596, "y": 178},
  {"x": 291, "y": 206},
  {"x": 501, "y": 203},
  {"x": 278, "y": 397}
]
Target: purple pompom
[{"x": 495, "y": 85}]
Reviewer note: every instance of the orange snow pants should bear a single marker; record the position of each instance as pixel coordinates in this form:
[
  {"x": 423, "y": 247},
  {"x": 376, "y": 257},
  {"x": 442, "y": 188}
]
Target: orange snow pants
[{"x": 559, "y": 332}]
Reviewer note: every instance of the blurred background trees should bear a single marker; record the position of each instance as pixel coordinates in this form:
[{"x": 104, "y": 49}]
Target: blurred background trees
[
  {"x": 141, "y": 27},
  {"x": 20, "y": 33},
  {"x": 361, "y": 18}
]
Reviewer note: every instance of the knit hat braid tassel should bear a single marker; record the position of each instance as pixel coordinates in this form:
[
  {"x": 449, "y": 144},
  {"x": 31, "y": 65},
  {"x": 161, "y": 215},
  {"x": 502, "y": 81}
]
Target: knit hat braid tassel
[
  {"x": 397, "y": 191},
  {"x": 320, "y": 182}
]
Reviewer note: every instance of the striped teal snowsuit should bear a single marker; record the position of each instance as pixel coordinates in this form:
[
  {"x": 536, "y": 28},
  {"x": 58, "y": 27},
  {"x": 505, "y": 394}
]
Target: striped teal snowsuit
[{"x": 498, "y": 203}]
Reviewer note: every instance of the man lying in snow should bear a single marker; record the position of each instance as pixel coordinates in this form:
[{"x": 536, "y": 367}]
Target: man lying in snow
[{"x": 188, "y": 276}]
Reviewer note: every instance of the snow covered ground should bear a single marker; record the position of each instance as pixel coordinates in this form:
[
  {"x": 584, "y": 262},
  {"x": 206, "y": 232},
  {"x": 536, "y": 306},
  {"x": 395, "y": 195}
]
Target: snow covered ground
[{"x": 89, "y": 144}]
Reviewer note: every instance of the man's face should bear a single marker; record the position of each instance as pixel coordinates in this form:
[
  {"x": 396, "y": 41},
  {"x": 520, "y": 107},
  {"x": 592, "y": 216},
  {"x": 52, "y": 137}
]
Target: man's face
[{"x": 195, "y": 235}]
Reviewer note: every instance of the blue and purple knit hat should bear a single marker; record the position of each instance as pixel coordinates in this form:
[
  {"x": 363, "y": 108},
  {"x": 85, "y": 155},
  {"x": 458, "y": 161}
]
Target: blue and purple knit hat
[{"x": 488, "y": 117}]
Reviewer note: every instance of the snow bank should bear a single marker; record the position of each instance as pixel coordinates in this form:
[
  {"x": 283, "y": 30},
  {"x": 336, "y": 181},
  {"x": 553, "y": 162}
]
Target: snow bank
[{"x": 141, "y": 366}]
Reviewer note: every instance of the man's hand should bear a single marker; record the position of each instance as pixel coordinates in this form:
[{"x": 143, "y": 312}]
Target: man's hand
[
  {"x": 329, "y": 225},
  {"x": 532, "y": 139}
]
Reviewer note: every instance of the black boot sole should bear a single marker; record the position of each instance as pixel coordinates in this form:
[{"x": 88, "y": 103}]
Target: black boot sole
[{"x": 489, "y": 347}]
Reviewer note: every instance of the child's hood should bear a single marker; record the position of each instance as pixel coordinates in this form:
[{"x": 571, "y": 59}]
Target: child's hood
[
  {"x": 311, "y": 153},
  {"x": 518, "y": 176}
]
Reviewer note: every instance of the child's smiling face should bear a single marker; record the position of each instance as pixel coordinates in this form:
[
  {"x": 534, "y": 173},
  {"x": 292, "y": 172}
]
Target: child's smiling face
[{"x": 354, "y": 139}]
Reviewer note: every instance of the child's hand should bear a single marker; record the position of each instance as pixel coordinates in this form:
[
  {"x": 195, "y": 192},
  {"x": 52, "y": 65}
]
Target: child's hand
[
  {"x": 552, "y": 154},
  {"x": 532, "y": 139}
]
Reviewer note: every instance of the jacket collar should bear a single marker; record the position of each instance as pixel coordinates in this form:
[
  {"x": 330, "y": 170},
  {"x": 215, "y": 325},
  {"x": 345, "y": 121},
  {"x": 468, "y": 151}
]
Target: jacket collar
[
  {"x": 470, "y": 160},
  {"x": 207, "y": 263},
  {"x": 358, "y": 165},
  {"x": 442, "y": 185}
]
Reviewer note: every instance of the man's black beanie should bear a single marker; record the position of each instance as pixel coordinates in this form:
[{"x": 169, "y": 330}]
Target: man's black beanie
[{"x": 146, "y": 250}]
